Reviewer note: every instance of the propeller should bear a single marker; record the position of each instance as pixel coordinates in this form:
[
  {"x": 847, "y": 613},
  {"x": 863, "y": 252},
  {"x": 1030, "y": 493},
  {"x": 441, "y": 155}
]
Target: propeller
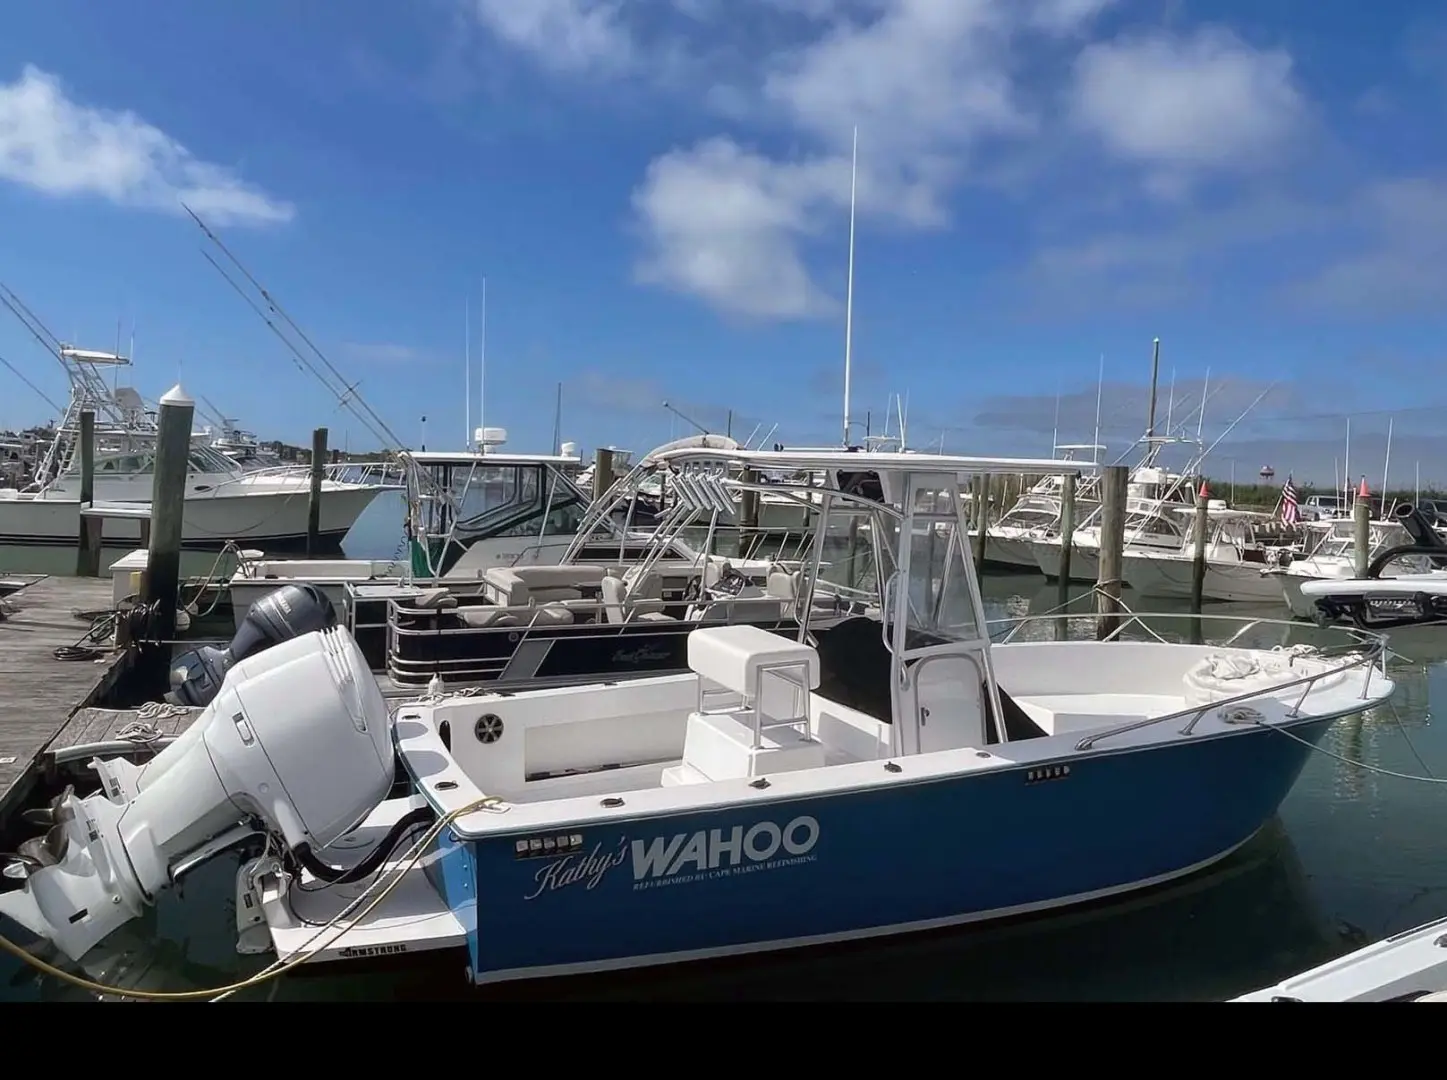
[
  {"x": 48, "y": 849},
  {"x": 18, "y": 867},
  {"x": 57, "y": 812}
]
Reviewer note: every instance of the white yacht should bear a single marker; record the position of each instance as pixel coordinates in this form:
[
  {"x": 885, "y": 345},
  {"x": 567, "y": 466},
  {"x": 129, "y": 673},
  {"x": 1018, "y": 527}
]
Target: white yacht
[
  {"x": 1334, "y": 559},
  {"x": 1236, "y": 559},
  {"x": 1008, "y": 542},
  {"x": 1151, "y": 496},
  {"x": 224, "y": 502}
]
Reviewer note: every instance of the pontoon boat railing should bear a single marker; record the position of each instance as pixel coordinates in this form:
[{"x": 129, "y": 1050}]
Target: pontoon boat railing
[
  {"x": 1366, "y": 650},
  {"x": 837, "y": 602}
]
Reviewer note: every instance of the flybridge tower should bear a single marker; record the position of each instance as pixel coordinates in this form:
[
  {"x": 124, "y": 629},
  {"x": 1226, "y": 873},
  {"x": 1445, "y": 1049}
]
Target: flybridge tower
[{"x": 118, "y": 410}]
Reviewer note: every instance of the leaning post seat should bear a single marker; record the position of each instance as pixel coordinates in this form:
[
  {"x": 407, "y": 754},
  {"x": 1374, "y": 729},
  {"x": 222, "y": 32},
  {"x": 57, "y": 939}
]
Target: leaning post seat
[{"x": 769, "y": 731}]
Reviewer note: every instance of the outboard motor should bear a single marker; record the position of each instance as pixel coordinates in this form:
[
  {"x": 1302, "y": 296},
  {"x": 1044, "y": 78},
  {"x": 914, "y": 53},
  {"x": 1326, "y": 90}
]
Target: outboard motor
[
  {"x": 1424, "y": 541},
  {"x": 286, "y": 613},
  {"x": 296, "y": 747},
  {"x": 1418, "y": 527}
]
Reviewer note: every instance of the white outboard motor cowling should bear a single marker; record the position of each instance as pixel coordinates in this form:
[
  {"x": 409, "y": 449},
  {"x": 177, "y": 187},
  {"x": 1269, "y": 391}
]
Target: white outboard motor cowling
[{"x": 298, "y": 737}]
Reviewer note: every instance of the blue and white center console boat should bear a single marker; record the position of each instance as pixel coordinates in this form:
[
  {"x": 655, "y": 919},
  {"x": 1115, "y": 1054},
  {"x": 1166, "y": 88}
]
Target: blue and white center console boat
[{"x": 902, "y": 773}]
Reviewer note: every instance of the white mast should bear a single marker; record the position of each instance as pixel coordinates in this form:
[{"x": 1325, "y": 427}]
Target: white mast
[
  {"x": 482, "y": 356},
  {"x": 467, "y": 371},
  {"x": 1387, "y": 464},
  {"x": 849, "y": 293},
  {"x": 1099, "y": 388}
]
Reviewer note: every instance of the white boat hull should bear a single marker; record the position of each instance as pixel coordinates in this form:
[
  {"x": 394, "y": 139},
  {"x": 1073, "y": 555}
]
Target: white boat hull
[
  {"x": 1404, "y": 966},
  {"x": 272, "y": 521},
  {"x": 1290, "y": 585},
  {"x": 1171, "y": 576},
  {"x": 1011, "y": 549},
  {"x": 1084, "y": 561}
]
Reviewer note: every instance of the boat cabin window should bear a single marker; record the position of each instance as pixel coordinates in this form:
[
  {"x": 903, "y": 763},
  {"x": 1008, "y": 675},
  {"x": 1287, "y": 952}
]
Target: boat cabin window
[
  {"x": 203, "y": 459},
  {"x": 510, "y": 500},
  {"x": 124, "y": 464},
  {"x": 1151, "y": 525},
  {"x": 1031, "y": 511}
]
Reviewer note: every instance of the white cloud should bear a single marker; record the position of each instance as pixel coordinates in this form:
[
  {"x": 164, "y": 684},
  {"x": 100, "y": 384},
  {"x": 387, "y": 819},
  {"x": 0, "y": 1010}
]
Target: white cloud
[
  {"x": 935, "y": 88},
  {"x": 52, "y": 144},
  {"x": 383, "y": 353},
  {"x": 720, "y": 223},
  {"x": 1182, "y": 106},
  {"x": 564, "y": 36},
  {"x": 926, "y": 81}
]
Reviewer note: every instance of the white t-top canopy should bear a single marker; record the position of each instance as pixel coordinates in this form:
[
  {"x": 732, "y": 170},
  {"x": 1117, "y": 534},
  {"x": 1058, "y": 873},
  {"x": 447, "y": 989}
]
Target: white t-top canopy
[{"x": 775, "y": 460}]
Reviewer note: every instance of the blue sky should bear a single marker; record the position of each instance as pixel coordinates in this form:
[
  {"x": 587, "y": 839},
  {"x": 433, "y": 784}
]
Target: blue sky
[{"x": 657, "y": 193}]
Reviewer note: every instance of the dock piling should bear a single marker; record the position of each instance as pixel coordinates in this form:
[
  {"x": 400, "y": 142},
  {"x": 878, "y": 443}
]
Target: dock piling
[
  {"x": 314, "y": 497},
  {"x": 1198, "y": 549},
  {"x": 980, "y": 486},
  {"x": 1112, "y": 549},
  {"x": 1361, "y": 535},
  {"x": 87, "y": 555},
  {"x": 602, "y": 471},
  {"x": 1067, "y": 534},
  {"x": 749, "y": 516},
  {"x": 161, "y": 583}
]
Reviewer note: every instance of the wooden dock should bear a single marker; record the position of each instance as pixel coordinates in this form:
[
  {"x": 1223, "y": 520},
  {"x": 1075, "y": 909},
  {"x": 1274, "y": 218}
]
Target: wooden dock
[
  {"x": 150, "y": 726},
  {"x": 39, "y": 693}
]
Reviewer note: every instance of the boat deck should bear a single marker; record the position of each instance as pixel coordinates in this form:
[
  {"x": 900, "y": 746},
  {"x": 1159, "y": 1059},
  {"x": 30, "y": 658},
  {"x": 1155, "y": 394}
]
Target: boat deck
[{"x": 38, "y": 693}]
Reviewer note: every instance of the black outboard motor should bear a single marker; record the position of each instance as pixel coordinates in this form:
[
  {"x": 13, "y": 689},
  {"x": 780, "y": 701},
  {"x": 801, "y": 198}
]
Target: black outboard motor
[
  {"x": 1424, "y": 539},
  {"x": 289, "y": 612},
  {"x": 1418, "y": 526}
]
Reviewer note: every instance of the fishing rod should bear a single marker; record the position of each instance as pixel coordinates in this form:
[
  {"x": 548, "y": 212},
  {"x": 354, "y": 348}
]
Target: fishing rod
[{"x": 346, "y": 395}]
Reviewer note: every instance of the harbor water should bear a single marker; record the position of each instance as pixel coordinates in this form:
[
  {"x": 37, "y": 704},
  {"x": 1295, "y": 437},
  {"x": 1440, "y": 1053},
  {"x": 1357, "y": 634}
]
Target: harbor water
[{"x": 1354, "y": 855}]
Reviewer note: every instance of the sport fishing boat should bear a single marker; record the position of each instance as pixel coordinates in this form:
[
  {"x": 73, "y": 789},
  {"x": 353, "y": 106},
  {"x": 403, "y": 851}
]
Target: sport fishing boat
[
  {"x": 1008, "y": 541},
  {"x": 1406, "y": 532},
  {"x": 1241, "y": 548},
  {"x": 1150, "y": 525},
  {"x": 898, "y": 773},
  {"x": 225, "y": 502}
]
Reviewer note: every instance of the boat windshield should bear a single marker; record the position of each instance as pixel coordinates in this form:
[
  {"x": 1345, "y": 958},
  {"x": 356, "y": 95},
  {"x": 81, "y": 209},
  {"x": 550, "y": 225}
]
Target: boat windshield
[
  {"x": 1030, "y": 512},
  {"x": 528, "y": 499},
  {"x": 1152, "y": 523},
  {"x": 942, "y": 606}
]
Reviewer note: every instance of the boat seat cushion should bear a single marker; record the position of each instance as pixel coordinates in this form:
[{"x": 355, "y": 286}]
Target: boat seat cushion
[
  {"x": 514, "y": 586},
  {"x": 732, "y": 656},
  {"x": 481, "y": 618},
  {"x": 435, "y": 598},
  {"x": 782, "y": 585},
  {"x": 552, "y": 577}
]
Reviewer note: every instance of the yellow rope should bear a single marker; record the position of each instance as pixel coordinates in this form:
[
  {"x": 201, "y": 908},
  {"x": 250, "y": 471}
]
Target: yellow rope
[{"x": 280, "y": 967}]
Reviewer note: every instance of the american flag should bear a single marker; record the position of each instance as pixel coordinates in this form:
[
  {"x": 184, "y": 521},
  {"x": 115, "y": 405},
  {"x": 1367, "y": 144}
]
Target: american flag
[{"x": 1289, "y": 512}]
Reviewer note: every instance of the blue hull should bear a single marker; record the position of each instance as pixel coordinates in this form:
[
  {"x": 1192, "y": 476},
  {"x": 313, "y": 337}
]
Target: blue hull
[{"x": 913, "y": 857}]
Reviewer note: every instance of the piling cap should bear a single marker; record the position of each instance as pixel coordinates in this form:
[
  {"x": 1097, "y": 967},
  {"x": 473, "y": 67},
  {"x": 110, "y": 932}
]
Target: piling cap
[{"x": 176, "y": 396}]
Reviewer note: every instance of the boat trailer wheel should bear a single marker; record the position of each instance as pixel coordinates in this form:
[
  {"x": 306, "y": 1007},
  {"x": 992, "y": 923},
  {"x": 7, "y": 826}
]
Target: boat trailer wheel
[{"x": 488, "y": 728}]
